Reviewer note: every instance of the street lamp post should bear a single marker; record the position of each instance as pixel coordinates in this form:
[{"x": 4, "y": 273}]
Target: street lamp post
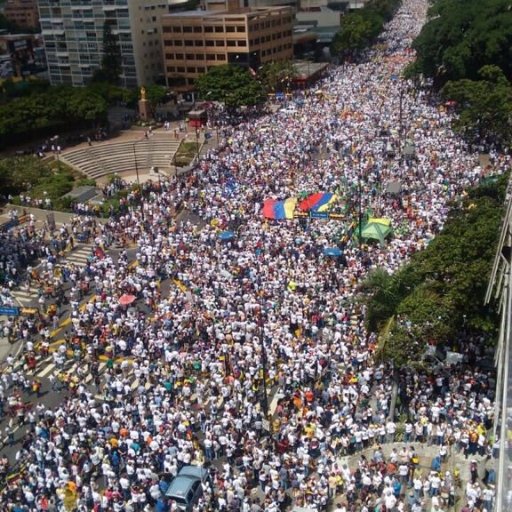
[
  {"x": 136, "y": 166},
  {"x": 197, "y": 144},
  {"x": 138, "y": 178}
]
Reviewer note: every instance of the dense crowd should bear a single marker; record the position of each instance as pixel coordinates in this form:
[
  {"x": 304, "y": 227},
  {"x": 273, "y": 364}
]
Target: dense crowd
[{"x": 183, "y": 382}]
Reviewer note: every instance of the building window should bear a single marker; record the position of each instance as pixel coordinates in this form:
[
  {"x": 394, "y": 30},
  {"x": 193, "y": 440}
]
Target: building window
[
  {"x": 199, "y": 42},
  {"x": 219, "y": 30},
  {"x": 198, "y": 29},
  {"x": 191, "y": 70},
  {"x": 199, "y": 56},
  {"x": 208, "y": 29},
  {"x": 190, "y": 56},
  {"x": 219, "y": 43},
  {"x": 176, "y": 29},
  {"x": 169, "y": 56},
  {"x": 231, "y": 43},
  {"x": 230, "y": 29},
  {"x": 178, "y": 42},
  {"x": 209, "y": 43},
  {"x": 200, "y": 70},
  {"x": 180, "y": 69},
  {"x": 220, "y": 56},
  {"x": 167, "y": 30},
  {"x": 240, "y": 28},
  {"x": 179, "y": 56},
  {"x": 242, "y": 43},
  {"x": 187, "y": 30}
]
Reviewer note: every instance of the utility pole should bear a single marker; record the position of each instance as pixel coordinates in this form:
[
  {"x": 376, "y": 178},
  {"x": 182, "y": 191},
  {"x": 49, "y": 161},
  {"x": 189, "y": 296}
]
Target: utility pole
[
  {"x": 138, "y": 178},
  {"x": 197, "y": 144},
  {"x": 136, "y": 166}
]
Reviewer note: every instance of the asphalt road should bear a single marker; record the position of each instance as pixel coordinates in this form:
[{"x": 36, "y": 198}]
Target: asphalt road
[{"x": 51, "y": 398}]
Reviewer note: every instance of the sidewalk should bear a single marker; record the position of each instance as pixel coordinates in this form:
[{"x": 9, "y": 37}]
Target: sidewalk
[{"x": 455, "y": 461}]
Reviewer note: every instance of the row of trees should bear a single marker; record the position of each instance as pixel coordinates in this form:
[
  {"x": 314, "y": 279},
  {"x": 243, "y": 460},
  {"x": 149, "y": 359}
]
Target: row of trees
[
  {"x": 32, "y": 108},
  {"x": 56, "y": 107},
  {"x": 361, "y": 28},
  {"x": 466, "y": 50},
  {"x": 440, "y": 292}
]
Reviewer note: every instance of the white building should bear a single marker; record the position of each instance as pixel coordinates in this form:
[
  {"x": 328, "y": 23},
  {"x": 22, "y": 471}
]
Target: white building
[{"x": 73, "y": 38}]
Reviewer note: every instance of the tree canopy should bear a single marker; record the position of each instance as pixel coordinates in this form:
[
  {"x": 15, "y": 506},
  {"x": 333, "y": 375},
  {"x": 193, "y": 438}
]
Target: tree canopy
[
  {"x": 232, "y": 85},
  {"x": 485, "y": 106},
  {"x": 111, "y": 68},
  {"x": 276, "y": 76},
  {"x": 441, "y": 290},
  {"x": 360, "y": 28},
  {"x": 463, "y": 36},
  {"x": 56, "y": 106}
]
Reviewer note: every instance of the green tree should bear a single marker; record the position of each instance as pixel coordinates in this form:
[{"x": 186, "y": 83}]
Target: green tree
[
  {"x": 357, "y": 31},
  {"x": 155, "y": 94},
  {"x": 441, "y": 290},
  {"x": 460, "y": 38},
  {"x": 232, "y": 85},
  {"x": 111, "y": 64},
  {"x": 276, "y": 76},
  {"x": 485, "y": 105},
  {"x": 86, "y": 105},
  {"x": 19, "y": 173}
]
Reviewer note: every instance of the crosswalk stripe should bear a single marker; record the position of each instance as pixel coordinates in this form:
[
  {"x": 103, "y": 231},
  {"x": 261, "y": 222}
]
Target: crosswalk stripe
[{"x": 46, "y": 370}]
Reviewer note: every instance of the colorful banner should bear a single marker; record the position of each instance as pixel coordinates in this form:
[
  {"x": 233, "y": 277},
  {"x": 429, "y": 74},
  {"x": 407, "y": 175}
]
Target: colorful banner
[
  {"x": 279, "y": 210},
  {"x": 315, "y": 204},
  {"x": 319, "y": 202}
]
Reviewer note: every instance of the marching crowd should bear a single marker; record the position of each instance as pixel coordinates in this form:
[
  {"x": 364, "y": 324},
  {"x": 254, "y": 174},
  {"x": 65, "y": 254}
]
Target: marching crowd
[{"x": 184, "y": 380}]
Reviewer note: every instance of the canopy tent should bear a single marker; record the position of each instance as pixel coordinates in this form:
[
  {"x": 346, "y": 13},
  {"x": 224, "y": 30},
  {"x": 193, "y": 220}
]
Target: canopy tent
[
  {"x": 376, "y": 231},
  {"x": 381, "y": 220}
]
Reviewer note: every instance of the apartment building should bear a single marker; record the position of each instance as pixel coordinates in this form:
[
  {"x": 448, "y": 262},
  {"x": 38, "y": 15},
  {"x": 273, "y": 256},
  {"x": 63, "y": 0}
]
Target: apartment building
[
  {"x": 194, "y": 41},
  {"x": 73, "y": 38},
  {"x": 22, "y": 12}
]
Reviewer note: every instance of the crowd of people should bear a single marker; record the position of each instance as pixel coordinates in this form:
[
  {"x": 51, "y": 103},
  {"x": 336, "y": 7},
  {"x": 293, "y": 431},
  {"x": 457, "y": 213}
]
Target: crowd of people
[{"x": 222, "y": 330}]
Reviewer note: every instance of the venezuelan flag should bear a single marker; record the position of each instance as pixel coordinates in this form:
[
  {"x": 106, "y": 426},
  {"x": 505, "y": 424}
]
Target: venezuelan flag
[
  {"x": 279, "y": 210},
  {"x": 319, "y": 202},
  {"x": 289, "y": 207},
  {"x": 268, "y": 208}
]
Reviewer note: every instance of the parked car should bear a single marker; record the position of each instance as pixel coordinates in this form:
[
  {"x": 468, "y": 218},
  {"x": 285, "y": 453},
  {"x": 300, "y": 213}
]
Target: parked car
[{"x": 186, "y": 489}]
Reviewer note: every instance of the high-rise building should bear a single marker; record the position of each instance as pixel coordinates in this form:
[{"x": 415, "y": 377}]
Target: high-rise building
[
  {"x": 22, "y": 12},
  {"x": 73, "y": 37},
  {"x": 194, "y": 41}
]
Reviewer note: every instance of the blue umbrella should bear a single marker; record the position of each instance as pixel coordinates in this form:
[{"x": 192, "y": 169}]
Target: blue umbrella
[
  {"x": 332, "y": 251},
  {"x": 225, "y": 236}
]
